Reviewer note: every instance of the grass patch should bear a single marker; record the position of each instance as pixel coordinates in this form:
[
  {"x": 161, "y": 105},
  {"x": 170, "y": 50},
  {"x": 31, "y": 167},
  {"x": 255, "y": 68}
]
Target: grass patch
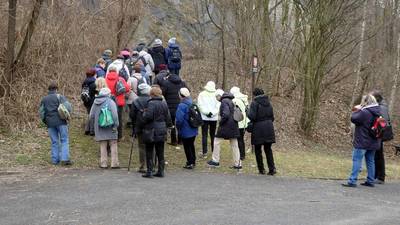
[{"x": 33, "y": 149}]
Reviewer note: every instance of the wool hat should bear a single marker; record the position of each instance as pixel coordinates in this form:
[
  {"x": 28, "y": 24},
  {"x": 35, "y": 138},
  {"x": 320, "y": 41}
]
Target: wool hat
[
  {"x": 140, "y": 46},
  {"x": 258, "y": 91},
  {"x": 144, "y": 89},
  {"x": 107, "y": 52},
  {"x": 219, "y": 92},
  {"x": 105, "y": 91},
  {"x": 210, "y": 86},
  {"x": 125, "y": 53},
  {"x": 172, "y": 40},
  {"x": 162, "y": 67},
  {"x": 184, "y": 92},
  {"x": 112, "y": 68},
  {"x": 157, "y": 42},
  {"x": 235, "y": 90}
]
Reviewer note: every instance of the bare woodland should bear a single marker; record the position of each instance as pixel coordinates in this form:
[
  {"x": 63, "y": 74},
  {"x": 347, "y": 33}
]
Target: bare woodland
[{"x": 309, "y": 52}]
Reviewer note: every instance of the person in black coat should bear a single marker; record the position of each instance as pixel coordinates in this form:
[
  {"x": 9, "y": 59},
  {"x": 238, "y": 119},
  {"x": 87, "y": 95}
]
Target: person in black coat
[
  {"x": 157, "y": 120},
  {"x": 170, "y": 90},
  {"x": 261, "y": 115},
  {"x": 228, "y": 129},
  {"x": 89, "y": 82},
  {"x": 157, "y": 52}
]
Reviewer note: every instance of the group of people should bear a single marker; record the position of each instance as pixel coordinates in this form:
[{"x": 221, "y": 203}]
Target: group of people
[
  {"x": 372, "y": 127},
  {"x": 147, "y": 83}
]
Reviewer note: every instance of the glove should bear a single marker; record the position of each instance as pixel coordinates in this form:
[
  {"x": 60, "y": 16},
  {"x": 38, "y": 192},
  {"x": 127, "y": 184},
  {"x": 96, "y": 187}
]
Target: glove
[{"x": 209, "y": 115}]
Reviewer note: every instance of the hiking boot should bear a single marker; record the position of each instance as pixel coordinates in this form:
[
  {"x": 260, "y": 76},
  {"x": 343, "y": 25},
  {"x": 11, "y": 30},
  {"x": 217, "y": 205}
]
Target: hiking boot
[
  {"x": 115, "y": 167},
  {"x": 66, "y": 163},
  {"x": 158, "y": 174},
  {"x": 189, "y": 167},
  {"x": 262, "y": 172},
  {"x": 212, "y": 163},
  {"x": 367, "y": 184},
  {"x": 236, "y": 167},
  {"x": 147, "y": 175},
  {"x": 349, "y": 185},
  {"x": 272, "y": 172}
]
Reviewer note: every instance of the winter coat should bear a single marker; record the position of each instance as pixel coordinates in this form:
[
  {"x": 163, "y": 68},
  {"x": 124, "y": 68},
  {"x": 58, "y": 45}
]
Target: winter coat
[
  {"x": 182, "y": 119},
  {"x": 228, "y": 128},
  {"x": 136, "y": 113},
  {"x": 161, "y": 77},
  {"x": 363, "y": 119},
  {"x": 158, "y": 55},
  {"x": 241, "y": 101},
  {"x": 103, "y": 134},
  {"x": 90, "y": 82},
  {"x": 168, "y": 55},
  {"x": 207, "y": 103},
  {"x": 111, "y": 80},
  {"x": 100, "y": 72},
  {"x": 149, "y": 62},
  {"x": 170, "y": 91},
  {"x": 261, "y": 115},
  {"x": 119, "y": 64},
  {"x": 133, "y": 82},
  {"x": 157, "y": 117},
  {"x": 49, "y": 109}
]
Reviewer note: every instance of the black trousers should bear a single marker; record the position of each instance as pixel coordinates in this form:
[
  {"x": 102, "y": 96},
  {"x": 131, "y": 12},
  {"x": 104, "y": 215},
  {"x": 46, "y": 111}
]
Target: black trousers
[
  {"x": 159, "y": 150},
  {"x": 190, "y": 151},
  {"x": 174, "y": 139},
  {"x": 380, "y": 164},
  {"x": 242, "y": 146},
  {"x": 212, "y": 125},
  {"x": 268, "y": 154},
  {"x": 120, "y": 110}
]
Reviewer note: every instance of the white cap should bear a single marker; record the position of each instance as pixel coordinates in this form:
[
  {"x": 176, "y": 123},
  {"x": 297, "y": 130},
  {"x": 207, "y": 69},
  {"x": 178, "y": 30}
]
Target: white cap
[{"x": 184, "y": 92}]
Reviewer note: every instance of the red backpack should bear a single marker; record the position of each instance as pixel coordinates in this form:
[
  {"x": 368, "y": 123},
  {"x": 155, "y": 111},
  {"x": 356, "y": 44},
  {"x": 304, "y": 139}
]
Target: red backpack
[{"x": 378, "y": 127}]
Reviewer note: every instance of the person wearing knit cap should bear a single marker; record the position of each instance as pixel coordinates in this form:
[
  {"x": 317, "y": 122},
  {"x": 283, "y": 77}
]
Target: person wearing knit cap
[
  {"x": 209, "y": 108},
  {"x": 261, "y": 127},
  {"x": 185, "y": 130},
  {"x": 136, "y": 115},
  {"x": 173, "y": 55},
  {"x": 105, "y": 135},
  {"x": 241, "y": 100},
  {"x": 157, "y": 52},
  {"x": 107, "y": 56}
]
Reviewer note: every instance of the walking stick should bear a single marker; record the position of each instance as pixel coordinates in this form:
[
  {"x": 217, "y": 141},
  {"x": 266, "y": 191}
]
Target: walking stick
[{"x": 130, "y": 155}]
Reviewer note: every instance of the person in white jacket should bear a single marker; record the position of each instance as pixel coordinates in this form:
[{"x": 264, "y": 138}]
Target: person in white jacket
[
  {"x": 209, "y": 108},
  {"x": 148, "y": 60},
  {"x": 119, "y": 63},
  {"x": 241, "y": 100}
]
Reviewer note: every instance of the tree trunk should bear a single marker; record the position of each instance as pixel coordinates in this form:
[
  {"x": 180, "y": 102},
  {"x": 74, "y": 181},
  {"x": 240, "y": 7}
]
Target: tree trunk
[
  {"x": 9, "y": 69},
  {"x": 360, "y": 55},
  {"x": 224, "y": 77},
  {"x": 29, "y": 31},
  {"x": 395, "y": 77}
]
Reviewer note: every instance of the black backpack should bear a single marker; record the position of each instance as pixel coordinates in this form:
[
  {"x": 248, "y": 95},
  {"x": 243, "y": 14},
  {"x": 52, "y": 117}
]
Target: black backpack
[
  {"x": 195, "y": 119},
  {"x": 122, "y": 73},
  {"x": 143, "y": 60},
  {"x": 176, "y": 55},
  {"x": 158, "y": 57},
  {"x": 85, "y": 96}
]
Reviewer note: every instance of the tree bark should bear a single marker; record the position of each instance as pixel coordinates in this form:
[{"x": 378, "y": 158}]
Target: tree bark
[
  {"x": 396, "y": 76},
  {"x": 9, "y": 69}
]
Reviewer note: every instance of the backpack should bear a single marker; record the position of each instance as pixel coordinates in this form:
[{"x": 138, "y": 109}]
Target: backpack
[
  {"x": 378, "y": 128},
  {"x": 85, "y": 96},
  {"x": 143, "y": 60},
  {"x": 158, "y": 58},
  {"x": 119, "y": 88},
  {"x": 237, "y": 114},
  {"x": 105, "y": 117},
  {"x": 122, "y": 73},
  {"x": 63, "y": 110},
  {"x": 176, "y": 55},
  {"x": 195, "y": 119}
]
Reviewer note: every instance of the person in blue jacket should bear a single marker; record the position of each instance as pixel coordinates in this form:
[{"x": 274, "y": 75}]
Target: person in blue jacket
[
  {"x": 173, "y": 55},
  {"x": 185, "y": 131}
]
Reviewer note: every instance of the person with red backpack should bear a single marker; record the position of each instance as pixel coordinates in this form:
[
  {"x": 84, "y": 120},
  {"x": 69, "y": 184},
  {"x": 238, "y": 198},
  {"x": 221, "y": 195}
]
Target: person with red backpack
[
  {"x": 119, "y": 88},
  {"x": 365, "y": 141}
]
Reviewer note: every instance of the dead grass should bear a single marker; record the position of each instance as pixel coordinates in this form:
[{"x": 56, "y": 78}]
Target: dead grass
[{"x": 31, "y": 150}]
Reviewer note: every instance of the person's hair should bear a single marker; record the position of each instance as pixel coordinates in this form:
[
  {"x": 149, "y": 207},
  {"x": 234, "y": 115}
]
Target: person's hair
[
  {"x": 101, "y": 61},
  {"x": 112, "y": 69},
  {"x": 368, "y": 100},
  {"x": 90, "y": 72},
  {"x": 155, "y": 92},
  {"x": 53, "y": 86},
  {"x": 378, "y": 96},
  {"x": 258, "y": 91},
  {"x": 100, "y": 83},
  {"x": 137, "y": 68}
]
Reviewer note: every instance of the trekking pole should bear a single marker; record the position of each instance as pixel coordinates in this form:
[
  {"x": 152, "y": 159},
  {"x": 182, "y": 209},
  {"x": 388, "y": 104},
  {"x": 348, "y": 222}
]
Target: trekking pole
[{"x": 130, "y": 155}]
